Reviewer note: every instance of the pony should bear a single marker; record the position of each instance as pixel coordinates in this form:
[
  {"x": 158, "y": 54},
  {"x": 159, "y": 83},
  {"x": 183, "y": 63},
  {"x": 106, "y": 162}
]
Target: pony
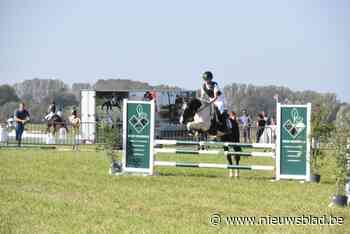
[{"x": 56, "y": 123}]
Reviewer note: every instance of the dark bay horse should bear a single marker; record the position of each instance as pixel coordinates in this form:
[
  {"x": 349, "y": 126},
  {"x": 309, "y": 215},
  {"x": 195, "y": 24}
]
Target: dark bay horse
[{"x": 110, "y": 103}]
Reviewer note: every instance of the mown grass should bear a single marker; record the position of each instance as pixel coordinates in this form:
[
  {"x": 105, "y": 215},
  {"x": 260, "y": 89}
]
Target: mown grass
[{"x": 43, "y": 191}]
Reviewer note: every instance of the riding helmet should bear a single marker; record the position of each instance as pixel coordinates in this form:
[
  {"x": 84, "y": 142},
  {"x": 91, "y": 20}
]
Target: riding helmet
[{"x": 207, "y": 75}]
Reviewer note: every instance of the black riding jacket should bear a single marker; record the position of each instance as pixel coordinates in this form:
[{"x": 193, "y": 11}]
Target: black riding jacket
[{"x": 210, "y": 90}]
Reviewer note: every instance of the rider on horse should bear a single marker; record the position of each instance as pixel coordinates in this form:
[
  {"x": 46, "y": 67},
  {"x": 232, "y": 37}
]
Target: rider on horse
[
  {"x": 51, "y": 110},
  {"x": 210, "y": 90}
]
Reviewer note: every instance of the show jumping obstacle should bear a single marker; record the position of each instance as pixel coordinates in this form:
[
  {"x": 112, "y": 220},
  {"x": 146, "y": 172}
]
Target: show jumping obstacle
[
  {"x": 291, "y": 151},
  {"x": 165, "y": 143}
]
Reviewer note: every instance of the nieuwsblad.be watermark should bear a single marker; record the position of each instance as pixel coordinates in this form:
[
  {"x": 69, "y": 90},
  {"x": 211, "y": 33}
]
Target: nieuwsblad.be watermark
[{"x": 217, "y": 219}]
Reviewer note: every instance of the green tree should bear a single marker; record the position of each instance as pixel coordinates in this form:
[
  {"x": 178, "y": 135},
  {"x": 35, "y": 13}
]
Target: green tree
[
  {"x": 77, "y": 87},
  {"x": 112, "y": 142},
  {"x": 120, "y": 85},
  {"x": 39, "y": 90},
  {"x": 321, "y": 130},
  {"x": 7, "y": 94},
  {"x": 341, "y": 140},
  {"x": 7, "y": 110},
  {"x": 65, "y": 99}
]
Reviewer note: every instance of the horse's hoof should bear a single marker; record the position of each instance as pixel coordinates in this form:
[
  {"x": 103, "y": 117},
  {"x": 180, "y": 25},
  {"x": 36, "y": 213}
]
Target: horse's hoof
[{"x": 230, "y": 174}]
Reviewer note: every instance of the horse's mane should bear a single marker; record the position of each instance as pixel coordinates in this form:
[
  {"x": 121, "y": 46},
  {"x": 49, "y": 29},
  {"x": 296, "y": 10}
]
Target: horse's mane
[{"x": 195, "y": 104}]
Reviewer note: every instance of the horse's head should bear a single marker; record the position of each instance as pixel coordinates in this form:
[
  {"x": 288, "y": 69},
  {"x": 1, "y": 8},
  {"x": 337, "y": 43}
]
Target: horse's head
[{"x": 189, "y": 109}]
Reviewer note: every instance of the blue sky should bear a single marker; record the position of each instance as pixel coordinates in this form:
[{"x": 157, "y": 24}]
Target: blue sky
[{"x": 298, "y": 44}]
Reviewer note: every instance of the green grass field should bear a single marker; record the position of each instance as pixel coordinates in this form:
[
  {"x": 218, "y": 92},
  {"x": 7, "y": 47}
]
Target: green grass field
[{"x": 43, "y": 191}]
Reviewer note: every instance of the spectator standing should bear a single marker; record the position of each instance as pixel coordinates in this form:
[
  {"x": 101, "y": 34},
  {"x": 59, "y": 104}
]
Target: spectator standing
[
  {"x": 234, "y": 137},
  {"x": 260, "y": 124},
  {"x": 273, "y": 128},
  {"x": 21, "y": 117},
  {"x": 266, "y": 118},
  {"x": 75, "y": 122},
  {"x": 245, "y": 122}
]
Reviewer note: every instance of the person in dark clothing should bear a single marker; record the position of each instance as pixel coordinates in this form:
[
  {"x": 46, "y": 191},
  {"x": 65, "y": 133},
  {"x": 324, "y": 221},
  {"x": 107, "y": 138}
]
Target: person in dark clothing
[
  {"x": 147, "y": 96},
  {"x": 260, "y": 124},
  {"x": 234, "y": 137},
  {"x": 21, "y": 117}
]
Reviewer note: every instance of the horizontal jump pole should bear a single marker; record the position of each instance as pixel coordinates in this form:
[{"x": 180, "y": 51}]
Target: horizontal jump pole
[
  {"x": 185, "y": 151},
  {"x": 251, "y": 154},
  {"x": 247, "y": 145},
  {"x": 176, "y": 142},
  {"x": 213, "y": 165}
]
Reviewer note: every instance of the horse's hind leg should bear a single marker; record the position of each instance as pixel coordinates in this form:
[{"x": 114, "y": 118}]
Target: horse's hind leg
[
  {"x": 237, "y": 159},
  {"x": 229, "y": 159}
]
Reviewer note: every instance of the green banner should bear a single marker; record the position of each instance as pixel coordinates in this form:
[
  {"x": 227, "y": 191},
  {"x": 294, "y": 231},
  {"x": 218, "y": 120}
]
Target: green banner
[
  {"x": 138, "y": 136},
  {"x": 294, "y": 142}
]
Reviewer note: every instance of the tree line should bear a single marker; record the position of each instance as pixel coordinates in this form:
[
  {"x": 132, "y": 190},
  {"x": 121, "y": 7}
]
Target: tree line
[{"x": 39, "y": 93}]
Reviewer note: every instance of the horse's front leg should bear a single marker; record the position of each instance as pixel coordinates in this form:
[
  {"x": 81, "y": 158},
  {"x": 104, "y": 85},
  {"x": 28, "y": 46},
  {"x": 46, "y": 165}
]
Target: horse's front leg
[
  {"x": 47, "y": 129},
  {"x": 54, "y": 130}
]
